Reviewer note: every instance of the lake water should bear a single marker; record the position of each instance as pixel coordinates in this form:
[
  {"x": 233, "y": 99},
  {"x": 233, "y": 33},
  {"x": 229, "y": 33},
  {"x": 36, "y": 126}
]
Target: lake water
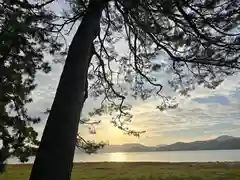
[{"x": 173, "y": 156}]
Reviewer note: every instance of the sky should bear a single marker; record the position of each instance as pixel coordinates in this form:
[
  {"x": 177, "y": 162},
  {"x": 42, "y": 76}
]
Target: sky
[{"x": 205, "y": 114}]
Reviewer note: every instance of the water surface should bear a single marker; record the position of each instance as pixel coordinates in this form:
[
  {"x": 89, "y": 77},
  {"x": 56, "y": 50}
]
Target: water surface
[{"x": 168, "y": 156}]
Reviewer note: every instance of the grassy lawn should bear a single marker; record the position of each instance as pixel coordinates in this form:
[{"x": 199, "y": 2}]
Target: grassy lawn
[{"x": 140, "y": 171}]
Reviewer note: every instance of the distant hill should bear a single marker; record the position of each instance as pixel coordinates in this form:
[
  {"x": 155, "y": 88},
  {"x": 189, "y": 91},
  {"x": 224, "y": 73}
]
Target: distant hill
[
  {"x": 224, "y": 138},
  {"x": 220, "y": 143},
  {"x": 127, "y": 148}
]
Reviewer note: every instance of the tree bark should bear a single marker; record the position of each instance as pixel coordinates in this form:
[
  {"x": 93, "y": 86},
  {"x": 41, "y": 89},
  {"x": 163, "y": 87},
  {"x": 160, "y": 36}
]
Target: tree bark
[{"x": 56, "y": 151}]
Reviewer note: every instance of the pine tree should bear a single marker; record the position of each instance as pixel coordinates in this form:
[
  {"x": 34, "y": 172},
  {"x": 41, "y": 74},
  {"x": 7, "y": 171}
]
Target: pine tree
[
  {"x": 25, "y": 35},
  {"x": 200, "y": 39}
]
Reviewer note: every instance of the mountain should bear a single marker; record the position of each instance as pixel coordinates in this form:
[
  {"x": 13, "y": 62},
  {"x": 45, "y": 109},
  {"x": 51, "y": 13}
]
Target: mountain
[
  {"x": 224, "y": 138},
  {"x": 127, "y": 148},
  {"x": 220, "y": 143}
]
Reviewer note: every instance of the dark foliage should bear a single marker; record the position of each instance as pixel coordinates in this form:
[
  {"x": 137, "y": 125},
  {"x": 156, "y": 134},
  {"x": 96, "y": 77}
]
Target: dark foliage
[
  {"x": 196, "y": 42},
  {"x": 25, "y": 35}
]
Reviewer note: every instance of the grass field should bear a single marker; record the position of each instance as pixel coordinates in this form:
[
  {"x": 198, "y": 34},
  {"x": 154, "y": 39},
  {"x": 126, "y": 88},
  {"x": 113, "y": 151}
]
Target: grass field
[{"x": 140, "y": 171}]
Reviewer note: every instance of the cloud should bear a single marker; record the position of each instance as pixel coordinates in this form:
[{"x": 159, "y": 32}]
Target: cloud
[
  {"x": 44, "y": 93},
  {"x": 213, "y": 99},
  {"x": 206, "y": 113},
  {"x": 191, "y": 122}
]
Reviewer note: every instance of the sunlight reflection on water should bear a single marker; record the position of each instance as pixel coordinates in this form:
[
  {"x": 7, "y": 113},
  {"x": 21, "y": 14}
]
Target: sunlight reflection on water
[{"x": 118, "y": 157}]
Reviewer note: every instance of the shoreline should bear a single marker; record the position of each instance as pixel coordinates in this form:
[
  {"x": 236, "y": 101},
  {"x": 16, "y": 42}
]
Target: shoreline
[{"x": 143, "y": 163}]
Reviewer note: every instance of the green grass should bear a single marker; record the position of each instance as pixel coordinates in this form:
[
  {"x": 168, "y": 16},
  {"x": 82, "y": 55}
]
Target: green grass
[{"x": 140, "y": 171}]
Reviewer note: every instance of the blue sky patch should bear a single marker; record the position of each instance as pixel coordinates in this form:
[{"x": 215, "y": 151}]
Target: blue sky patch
[{"x": 217, "y": 99}]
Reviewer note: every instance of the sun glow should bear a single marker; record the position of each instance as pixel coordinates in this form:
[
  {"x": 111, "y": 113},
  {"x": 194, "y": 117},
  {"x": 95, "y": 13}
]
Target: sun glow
[{"x": 117, "y": 157}]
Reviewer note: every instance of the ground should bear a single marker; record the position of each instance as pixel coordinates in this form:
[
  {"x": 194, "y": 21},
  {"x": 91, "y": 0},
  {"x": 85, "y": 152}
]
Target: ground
[{"x": 140, "y": 171}]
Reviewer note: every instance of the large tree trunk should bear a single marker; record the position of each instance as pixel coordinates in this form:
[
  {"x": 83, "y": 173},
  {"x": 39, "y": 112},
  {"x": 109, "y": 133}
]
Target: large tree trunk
[{"x": 56, "y": 151}]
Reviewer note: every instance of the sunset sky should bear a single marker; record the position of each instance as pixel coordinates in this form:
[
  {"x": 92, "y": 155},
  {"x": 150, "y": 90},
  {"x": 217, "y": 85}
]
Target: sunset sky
[{"x": 204, "y": 115}]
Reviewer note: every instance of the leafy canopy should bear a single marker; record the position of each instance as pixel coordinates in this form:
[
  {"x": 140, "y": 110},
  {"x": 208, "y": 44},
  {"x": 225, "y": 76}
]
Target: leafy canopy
[{"x": 196, "y": 41}]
